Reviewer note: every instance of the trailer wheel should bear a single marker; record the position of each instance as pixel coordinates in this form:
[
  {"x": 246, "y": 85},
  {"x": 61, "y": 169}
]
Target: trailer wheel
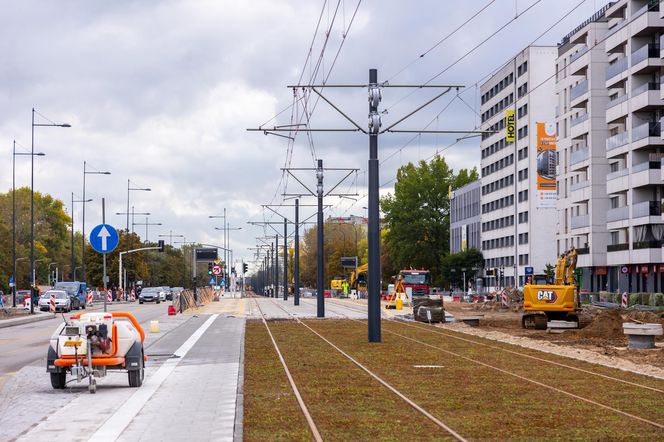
[
  {"x": 136, "y": 376},
  {"x": 58, "y": 380}
]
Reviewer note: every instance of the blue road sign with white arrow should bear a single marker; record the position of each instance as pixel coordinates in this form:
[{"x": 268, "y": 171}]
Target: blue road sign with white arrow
[{"x": 104, "y": 238}]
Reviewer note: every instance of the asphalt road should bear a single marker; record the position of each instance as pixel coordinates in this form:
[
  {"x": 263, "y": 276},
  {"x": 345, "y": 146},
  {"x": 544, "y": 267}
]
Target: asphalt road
[{"x": 22, "y": 345}]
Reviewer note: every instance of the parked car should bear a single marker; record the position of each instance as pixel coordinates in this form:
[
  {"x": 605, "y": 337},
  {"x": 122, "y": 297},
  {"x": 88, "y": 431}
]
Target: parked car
[
  {"x": 151, "y": 294},
  {"x": 62, "y": 301}
]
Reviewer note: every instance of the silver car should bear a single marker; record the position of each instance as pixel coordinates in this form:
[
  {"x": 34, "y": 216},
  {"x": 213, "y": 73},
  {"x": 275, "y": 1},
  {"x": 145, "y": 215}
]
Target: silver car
[{"x": 62, "y": 301}]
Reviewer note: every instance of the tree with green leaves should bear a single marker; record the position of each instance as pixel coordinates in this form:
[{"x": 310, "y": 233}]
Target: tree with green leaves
[
  {"x": 417, "y": 214},
  {"x": 453, "y": 264}
]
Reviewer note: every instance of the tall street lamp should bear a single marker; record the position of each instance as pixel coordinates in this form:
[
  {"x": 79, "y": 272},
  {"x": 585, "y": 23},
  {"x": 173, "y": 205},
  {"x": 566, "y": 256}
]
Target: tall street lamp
[
  {"x": 130, "y": 189},
  {"x": 73, "y": 257},
  {"x": 32, "y": 198},
  {"x": 14, "y": 259},
  {"x": 86, "y": 173}
]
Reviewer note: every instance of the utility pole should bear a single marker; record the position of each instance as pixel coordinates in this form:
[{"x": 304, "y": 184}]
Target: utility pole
[
  {"x": 373, "y": 233},
  {"x": 320, "y": 252},
  {"x": 374, "y": 129},
  {"x": 296, "y": 264},
  {"x": 276, "y": 266},
  {"x": 285, "y": 259}
]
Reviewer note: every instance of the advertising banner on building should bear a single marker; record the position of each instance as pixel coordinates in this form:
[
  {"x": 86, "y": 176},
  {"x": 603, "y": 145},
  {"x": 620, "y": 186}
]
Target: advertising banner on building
[
  {"x": 546, "y": 166},
  {"x": 464, "y": 237}
]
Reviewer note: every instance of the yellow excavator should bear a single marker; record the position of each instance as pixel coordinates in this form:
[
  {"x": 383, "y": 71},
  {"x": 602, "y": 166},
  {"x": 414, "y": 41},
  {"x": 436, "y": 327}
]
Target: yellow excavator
[
  {"x": 358, "y": 278},
  {"x": 544, "y": 302}
]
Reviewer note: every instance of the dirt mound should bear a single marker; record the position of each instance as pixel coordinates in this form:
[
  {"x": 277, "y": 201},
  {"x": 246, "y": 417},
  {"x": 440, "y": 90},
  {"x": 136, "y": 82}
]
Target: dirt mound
[
  {"x": 606, "y": 324},
  {"x": 643, "y": 316}
]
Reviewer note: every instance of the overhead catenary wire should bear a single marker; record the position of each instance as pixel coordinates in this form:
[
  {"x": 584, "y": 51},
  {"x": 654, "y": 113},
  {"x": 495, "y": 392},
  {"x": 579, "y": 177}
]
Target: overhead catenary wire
[{"x": 442, "y": 40}]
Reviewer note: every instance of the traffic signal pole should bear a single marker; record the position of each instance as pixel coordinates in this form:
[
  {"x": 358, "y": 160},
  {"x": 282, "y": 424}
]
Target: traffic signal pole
[
  {"x": 285, "y": 260},
  {"x": 373, "y": 234}
]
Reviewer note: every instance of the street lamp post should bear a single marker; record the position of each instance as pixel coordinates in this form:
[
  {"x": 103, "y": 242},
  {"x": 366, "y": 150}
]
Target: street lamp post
[
  {"x": 32, "y": 200},
  {"x": 129, "y": 189},
  {"x": 224, "y": 242},
  {"x": 85, "y": 173},
  {"x": 227, "y": 250},
  {"x": 14, "y": 153},
  {"x": 73, "y": 258}
]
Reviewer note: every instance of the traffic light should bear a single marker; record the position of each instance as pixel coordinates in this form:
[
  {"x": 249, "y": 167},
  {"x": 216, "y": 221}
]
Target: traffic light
[
  {"x": 209, "y": 268},
  {"x": 233, "y": 270},
  {"x": 245, "y": 268},
  {"x": 161, "y": 245}
]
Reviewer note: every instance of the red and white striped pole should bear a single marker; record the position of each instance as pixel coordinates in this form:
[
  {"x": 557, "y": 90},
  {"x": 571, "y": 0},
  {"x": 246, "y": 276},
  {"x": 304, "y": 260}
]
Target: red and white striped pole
[
  {"x": 109, "y": 297},
  {"x": 623, "y": 304},
  {"x": 51, "y": 303}
]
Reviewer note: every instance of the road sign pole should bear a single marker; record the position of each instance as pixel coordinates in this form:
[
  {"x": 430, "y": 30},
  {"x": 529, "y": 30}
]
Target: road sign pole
[{"x": 103, "y": 220}]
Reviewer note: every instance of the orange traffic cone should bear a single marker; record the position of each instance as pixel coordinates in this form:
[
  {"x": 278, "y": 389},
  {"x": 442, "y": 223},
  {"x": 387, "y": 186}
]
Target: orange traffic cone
[{"x": 171, "y": 310}]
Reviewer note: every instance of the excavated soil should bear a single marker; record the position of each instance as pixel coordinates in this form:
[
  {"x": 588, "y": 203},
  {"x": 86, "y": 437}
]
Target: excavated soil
[{"x": 603, "y": 336}]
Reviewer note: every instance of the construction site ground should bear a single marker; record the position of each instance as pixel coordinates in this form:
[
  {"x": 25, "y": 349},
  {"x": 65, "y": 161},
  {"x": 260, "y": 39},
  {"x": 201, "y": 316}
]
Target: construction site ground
[{"x": 603, "y": 336}]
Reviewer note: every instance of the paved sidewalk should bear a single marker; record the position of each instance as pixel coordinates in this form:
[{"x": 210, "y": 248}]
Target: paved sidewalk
[{"x": 190, "y": 391}]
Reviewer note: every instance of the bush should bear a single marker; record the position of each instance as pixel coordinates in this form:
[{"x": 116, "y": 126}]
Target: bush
[{"x": 659, "y": 299}]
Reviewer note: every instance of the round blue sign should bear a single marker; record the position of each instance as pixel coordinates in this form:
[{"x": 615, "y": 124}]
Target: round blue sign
[{"x": 104, "y": 238}]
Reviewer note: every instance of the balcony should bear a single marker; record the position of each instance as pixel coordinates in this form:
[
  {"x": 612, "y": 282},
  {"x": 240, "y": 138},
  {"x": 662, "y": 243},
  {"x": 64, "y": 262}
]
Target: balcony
[
  {"x": 578, "y": 120},
  {"x": 617, "y": 140},
  {"x": 578, "y": 90},
  {"x": 649, "y": 129},
  {"x": 579, "y": 185},
  {"x": 646, "y": 165},
  {"x": 617, "y": 247},
  {"x": 617, "y": 174},
  {"x": 616, "y": 101},
  {"x": 575, "y": 56},
  {"x": 616, "y": 28},
  {"x": 579, "y": 155},
  {"x": 617, "y": 67},
  {"x": 646, "y": 208},
  {"x": 645, "y": 88},
  {"x": 617, "y": 214},
  {"x": 581, "y": 221},
  {"x": 647, "y": 245},
  {"x": 644, "y": 52},
  {"x": 583, "y": 251}
]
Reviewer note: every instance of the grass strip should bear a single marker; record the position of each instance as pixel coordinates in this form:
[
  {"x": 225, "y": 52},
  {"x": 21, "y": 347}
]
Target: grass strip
[
  {"x": 345, "y": 402},
  {"x": 271, "y": 411},
  {"x": 477, "y": 401}
]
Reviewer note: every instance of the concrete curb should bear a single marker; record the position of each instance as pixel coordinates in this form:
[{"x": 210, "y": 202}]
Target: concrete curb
[
  {"x": 25, "y": 320},
  {"x": 238, "y": 432}
]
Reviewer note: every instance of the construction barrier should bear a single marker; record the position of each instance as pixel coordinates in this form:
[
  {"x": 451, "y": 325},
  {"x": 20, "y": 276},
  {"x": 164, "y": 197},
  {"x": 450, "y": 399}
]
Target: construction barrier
[
  {"x": 89, "y": 299},
  {"x": 51, "y": 303},
  {"x": 623, "y": 302},
  {"x": 185, "y": 300},
  {"x": 109, "y": 296},
  {"x": 132, "y": 296}
]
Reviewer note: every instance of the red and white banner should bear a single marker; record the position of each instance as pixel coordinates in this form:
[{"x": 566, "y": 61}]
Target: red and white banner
[
  {"x": 51, "y": 303},
  {"x": 623, "y": 304}
]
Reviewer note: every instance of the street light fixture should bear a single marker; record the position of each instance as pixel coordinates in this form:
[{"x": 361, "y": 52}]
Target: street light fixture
[
  {"x": 85, "y": 173},
  {"x": 14, "y": 154},
  {"x": 146, "y": 224},
  {"x": 32, "y": 196}
]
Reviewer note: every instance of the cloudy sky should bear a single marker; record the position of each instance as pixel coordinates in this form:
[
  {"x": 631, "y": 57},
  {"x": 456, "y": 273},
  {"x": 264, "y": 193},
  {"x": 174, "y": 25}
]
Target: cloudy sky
[{"x": 162, "y": 92}]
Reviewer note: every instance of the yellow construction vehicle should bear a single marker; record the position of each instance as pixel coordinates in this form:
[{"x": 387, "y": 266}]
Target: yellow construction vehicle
[
  {"x": 358, "y": 278},
  {"x": 337, "y": 283},
  {"x": 544, "y": 302}
]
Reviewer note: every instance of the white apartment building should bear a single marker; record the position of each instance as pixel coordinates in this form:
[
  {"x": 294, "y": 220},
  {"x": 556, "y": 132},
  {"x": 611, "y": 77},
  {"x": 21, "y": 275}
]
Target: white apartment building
[
  {"x": 583, "y": 166},
  {"x": 635, "y": 146},
  {"x": 518, "y": 194}
]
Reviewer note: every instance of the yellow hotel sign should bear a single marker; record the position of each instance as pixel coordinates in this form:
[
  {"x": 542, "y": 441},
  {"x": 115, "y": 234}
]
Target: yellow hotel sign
[{"x": 510, "y": 126}]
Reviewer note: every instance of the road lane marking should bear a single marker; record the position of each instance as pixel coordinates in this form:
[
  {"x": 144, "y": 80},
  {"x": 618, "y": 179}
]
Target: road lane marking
[{"x": 114, "y": 426}]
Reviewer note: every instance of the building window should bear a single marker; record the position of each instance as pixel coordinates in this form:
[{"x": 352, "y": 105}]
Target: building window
[
  {"x": 522, "y": 132},
  {"x": 522, "y": 111},
  {"x": 522, "y": 69}
]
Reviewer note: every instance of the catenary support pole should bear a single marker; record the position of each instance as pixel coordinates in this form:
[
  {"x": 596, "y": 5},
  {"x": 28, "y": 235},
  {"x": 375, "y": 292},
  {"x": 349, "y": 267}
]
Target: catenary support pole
[
  {"x": 319, "y": 250},
  {"x": 285, "y": 260},
  {"x": 296, "y": 263},
  {"x": 373, "y": 277},
  {"x": 276, "y": 266},
  {"x": 104, "y": 277}
]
